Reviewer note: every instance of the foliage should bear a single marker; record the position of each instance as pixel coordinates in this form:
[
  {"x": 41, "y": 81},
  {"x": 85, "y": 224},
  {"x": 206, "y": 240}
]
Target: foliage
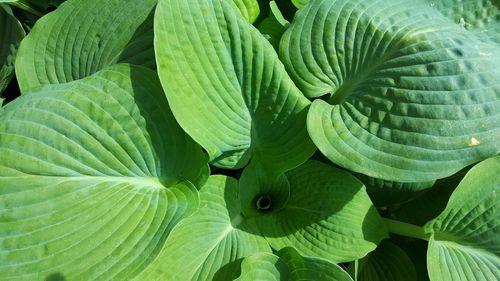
[{"x": 250, "y": 140}]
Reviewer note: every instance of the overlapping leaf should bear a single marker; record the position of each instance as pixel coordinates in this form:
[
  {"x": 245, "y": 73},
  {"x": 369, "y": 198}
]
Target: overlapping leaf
[
  {"x": 248, "y": 8},
  {"x": 328, "y": 215},
  {"x": 465, "y": 244},
  {"x": 82, "y": 37},
  {"x": 11, "y": 33},
  {"x": 227, "y": 87},
  {"x": 93, "y": 176},
  {"x": 414, "y": 95},
  {"x": 387, "y": 263},
  {"x": 288, "y": 264}
]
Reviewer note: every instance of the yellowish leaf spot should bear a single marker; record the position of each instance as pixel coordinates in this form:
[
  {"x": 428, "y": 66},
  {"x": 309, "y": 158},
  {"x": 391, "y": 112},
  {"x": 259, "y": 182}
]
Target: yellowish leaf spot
[{"x": 474, "y": 142}]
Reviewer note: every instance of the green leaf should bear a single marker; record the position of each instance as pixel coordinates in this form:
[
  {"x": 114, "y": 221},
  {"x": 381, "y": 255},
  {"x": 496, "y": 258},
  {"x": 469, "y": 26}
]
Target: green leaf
[
  {"x": 83, "y": 37},
  {"x": 328, "y": 215},
  {"x": 288, "y": 264},
  {"x": 412, "y": 95},
  {"x": 264, "y": 266},
  {"x": 274, "y": 25},
  {"x": 465, "y": 243},
  {"x": 94, "y": 174},
  {"x": 300, "y": 3},
  {"x": 210, "y": 239},
  {"x": 11, "y": 33},
  {"x": 384, "y": 193},
  {"x": 227, "y": 87},
  {"x": 387, "y": 263},
  {"x": 248, "y": 9}
]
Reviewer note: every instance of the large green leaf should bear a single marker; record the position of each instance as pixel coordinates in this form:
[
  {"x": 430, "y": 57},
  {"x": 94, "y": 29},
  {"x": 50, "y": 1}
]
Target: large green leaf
[
  {"x": 82, "y": 37},
  {"x": 288, "y": 264},
  {"x": 327, "y": 215},
  {"x": 11, "y": 33},
  {"x": 464, "y": 243},
  {"x": 227, "y": 87},
  {"x": 414, "y": 95},
  {"x": 93, "y": 176},
  {"x": 210, "y": 239},
  {"x": 387, "y": 263}
]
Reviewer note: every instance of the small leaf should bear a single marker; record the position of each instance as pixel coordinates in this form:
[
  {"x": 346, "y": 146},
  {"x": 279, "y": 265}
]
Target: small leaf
[
  {"x": 248, "y": 8},
  {"x": 11, "y": 33},
  {"x": 227, "y": 88},
  {"x": 274, "y": 25},
  {"x": 288, "y": 264},
  {"x": 83, "y": 37},
  {"x": 465, "y": 243},
  {"x": 387, "y": 263},
  {"x": 94, "y": 175}
]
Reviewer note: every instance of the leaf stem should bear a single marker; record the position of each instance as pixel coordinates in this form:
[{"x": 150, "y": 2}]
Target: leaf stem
[
  {"x": 406, "y": 229},
  {"x": 27, "y": 7}
]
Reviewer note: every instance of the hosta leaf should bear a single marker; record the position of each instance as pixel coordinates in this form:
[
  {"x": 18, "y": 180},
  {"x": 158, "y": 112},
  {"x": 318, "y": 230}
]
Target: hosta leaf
[
  {"x": 328, "y": 215},
  {"x": 387, "y": 263},
  {"x": 465, "y": 244},
  {"x": 300, "y": 3},
  {"x": 288, "y": 264},
  {"x": 414, "y": 96},
  {"x": 248, "y": 8},
  {"x": 11, "y": 33},
  {"x": 227, "y": 87},
  {"x": 210, "y": 239},
  {"x": 82, "y": 37},
  {"x": 274, "y": 25},
  {"x": 93, "y": 176}
]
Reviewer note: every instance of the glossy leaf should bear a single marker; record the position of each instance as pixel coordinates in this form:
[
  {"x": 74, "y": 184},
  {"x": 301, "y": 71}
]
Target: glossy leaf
[
  {"x": 465, "y": 244},
  {"x": 83, "y": 37},
  {"x": 11, "y": 33},
  {"x": 210, "y": 239},
  {"x": 387, "y": 263},
  {"x": 227, "y": 87},
  {"x": 93, "y": 176},
  {"x": 413, "y": 96}
]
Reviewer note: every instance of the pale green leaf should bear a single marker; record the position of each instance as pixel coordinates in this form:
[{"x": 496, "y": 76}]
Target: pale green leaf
[
  {"x": 82, "y": 37},
  {"x": 210, "y": 239},
  {"x": 93, "y": 176},
  {"x": 300, "y": 3},
  {"x": 387, "y": 263},
  {"x": 328, "y": 215},
  {"x": 289, "y": 265},
  {"x": 227, "y": 87},
  {"x": 464, "y": 243},
  {"x": 413, "y": 96},
  {"x": 248, "y": 8},
  {"x": 11, "y": 33}
]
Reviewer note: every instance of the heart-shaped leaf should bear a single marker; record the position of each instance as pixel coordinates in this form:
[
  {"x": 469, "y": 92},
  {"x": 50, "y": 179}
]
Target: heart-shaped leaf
[
  {"x": 288, "y": 264},
  {"x": 93, "y": 176},
  {"x": 83, "y": 37},
  {"x": 11, "y": 33},
  {"x": 414, "y": 96},
  {"x": 327, "y": 215},
  {"x": 464, "y": 243},
  {"x": 227, "y": 87}
]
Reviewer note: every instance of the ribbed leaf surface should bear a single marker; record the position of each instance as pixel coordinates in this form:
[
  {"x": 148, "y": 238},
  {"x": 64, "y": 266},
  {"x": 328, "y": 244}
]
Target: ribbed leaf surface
[
  {"x": 328, "y": 215},
  {"x": 414, "y": 95},
  {"x": 82, "y": 37},
  {"x": 465, "y": 244},
  {"x": 93, "y": 176},
  {"x": 227, "y": 87},
  {"x": 210, "y": 239}
]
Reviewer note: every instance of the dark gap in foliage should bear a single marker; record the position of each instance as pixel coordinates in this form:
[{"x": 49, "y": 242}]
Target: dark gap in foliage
[
  {"x": 12, "y": 91},
  {"x": 263, "y": 203},
  {"x": 230, "y": 173}
]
